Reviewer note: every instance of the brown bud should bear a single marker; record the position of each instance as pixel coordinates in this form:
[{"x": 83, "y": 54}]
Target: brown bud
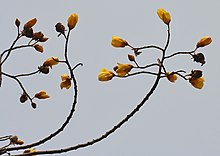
[
  {"x": 28, "y": 32},
  {"x": 23, "y": 98},
  {"x": 19, "y": 142},
  {"x": 38, "y": 35},
  {"x": 131, "y": 57},
  {"x": 115, "y": 68},
  {"x": 44, "y": 69},
  {"x": 34, "y": 105},
  {"x": 39, "y": 48},
  {"x": 30, "y": 23},
  {"x": 196, "y": 74},
  {"x": 200, "y": 58},
  {"x": 43, "y": 39},
  {"x": 60, "y": 28},
  {"x": 14, "y": 139},
  {"x": 17, "y": 22}
]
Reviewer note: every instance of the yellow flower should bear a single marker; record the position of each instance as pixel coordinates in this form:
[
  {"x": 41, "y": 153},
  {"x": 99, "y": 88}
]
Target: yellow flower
[
  {"x": 123, "y": 69},
  {"x": 72, "y": 20},
  {"x": 41, "y": 95},
  {"x": 105, "y": 75},
  {"x": 30, "y": 150},
  {"x": 197, "y": 82},
  {"x": 164, "y": 16},
  {"x": 204, "y": 41},
  {"x": 66, "y": 81},
  {"x": 30, "y": 23},
  {"x": 171, "y": 77},
  {"x": 118, "y": 42},
  {"x": 51, "y": 62}
]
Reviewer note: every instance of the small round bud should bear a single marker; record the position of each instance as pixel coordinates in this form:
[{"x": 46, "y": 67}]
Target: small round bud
[
  {"x": 23, "y": 98},
  {"x": 60, "y": 28},
  {"x": 196, "y": 74},
  {"x": 33, "y": 105}
]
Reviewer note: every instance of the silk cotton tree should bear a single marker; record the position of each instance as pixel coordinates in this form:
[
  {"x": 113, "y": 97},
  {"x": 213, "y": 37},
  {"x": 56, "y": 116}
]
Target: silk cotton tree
[{"x": 68, "y": 80}]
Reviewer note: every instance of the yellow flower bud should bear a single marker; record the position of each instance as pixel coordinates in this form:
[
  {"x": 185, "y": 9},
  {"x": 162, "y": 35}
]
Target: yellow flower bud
[
  {"x": 123, "y": 69},
  {"x": 197, "y": 82},
  {"x": 204, "y": 41},
  {"x": 171, "y": 77},
  {"x": 118, "y": 42},
  {"x": 66, "y": 81},
  {"x": 51, "y": 62},
  {"x": 39, "y": 48},
  {"x": 30, "y": 23},
  {"x": 105, "y": 75},
  {"x": 41, "y": 95},
  {"x": 72, "y": 20},
  {"x": 164, "y": 16}
]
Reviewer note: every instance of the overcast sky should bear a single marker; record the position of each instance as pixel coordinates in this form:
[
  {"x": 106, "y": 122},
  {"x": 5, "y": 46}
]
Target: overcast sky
[{"x": 178, "y": 120}]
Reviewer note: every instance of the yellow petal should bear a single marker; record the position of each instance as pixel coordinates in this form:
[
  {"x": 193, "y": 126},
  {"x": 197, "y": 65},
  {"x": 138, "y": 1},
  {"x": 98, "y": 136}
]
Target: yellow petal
[
  {"x": 197, "y": 82},
  {"x": 204, "y": 41},
  {"x": 65, "y": 84},
  {"x": 164, "y": 15},
  {"x": 72, "y": 20},
  {"x": 105, "y": 75},
  {"x": 64, "y": 77},
  {"x": 118, "y": 42},
  {"x": 123, "y": 69},
  {"x": 41, "y": 95},
  {"x": 171, "y": 77}
]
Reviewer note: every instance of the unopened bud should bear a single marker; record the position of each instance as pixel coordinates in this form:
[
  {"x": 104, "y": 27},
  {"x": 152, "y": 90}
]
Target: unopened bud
[
  {"x": 60, "y": 28},
  {"x": 17, "y": 22},
  {"x": 33, "y": 105},
  {"x": 28, "y": 32},
  {"x": 131, "y": 57},
  {"x": 23, "y": 98},
  {"x": 38, "y": 48},
  {"x": 30, "y": 23}
]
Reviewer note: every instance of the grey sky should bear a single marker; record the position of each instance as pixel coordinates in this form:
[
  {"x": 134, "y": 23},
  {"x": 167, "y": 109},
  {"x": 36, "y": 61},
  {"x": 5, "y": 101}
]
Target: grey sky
[{"x": 178, "y": 120}]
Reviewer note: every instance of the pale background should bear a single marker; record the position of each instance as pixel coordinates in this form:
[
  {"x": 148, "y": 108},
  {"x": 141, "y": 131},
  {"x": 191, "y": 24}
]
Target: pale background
[{"x": 178, "y": 120}]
